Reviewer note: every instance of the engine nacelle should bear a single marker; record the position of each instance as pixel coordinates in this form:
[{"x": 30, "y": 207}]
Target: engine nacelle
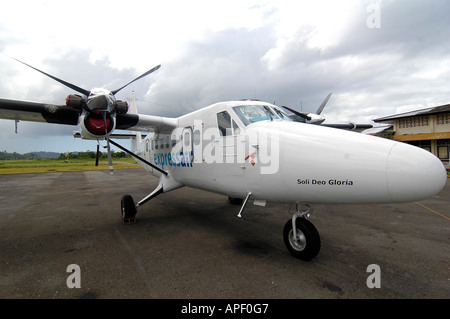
[
  {"x": 75, "y": 101},
  {"x": 93, "y": 125},
  {"x": 121, "y": 107}
]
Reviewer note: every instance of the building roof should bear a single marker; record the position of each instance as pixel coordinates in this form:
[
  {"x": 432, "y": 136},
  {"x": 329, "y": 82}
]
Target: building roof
[{"x": 427, "y": 111}]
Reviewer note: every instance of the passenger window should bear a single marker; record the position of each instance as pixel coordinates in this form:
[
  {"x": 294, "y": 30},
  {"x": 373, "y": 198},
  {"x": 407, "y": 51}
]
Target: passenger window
[
  {"x": 197, "y": 137},
  {"x": 224, "y": 123}
]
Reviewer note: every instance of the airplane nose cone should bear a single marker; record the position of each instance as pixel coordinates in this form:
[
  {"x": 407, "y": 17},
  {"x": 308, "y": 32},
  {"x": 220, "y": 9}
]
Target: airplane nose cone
[{"x": 413, "y": 173}]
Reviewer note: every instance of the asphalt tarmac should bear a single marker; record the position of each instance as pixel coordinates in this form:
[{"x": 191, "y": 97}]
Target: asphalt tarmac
[{"x": 190, "y": 244}]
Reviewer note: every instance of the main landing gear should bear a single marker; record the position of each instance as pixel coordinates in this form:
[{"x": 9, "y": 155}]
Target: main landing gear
[
  {"x": 300, "y": 236},
  {"x": 129, "y": 209}
]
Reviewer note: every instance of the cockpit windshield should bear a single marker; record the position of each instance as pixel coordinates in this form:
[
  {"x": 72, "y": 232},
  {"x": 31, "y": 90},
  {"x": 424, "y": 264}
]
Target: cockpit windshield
[
  {"x": 281, "y": 114},
  {"x": 254, "y": 113}
]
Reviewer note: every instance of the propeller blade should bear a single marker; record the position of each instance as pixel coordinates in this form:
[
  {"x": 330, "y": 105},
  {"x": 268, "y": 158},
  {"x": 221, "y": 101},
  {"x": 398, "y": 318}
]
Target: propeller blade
[
  {"x": 322, "y": 106},
  {"x": 70, "y": 85},
  {"x": 139, "y": 77},
  {"x": 302, "y": 115}
]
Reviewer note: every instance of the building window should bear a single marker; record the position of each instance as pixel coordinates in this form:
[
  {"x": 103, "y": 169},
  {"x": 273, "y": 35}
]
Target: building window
[
  {"x": 416, "y": 121},
  {"x": 443, "y": 119},
  {"x": 442, "y": 146},
  {"x": 426, "y": 145},
  {"x": 408, "y": 123},
  {"x": 424, "y": 120}
]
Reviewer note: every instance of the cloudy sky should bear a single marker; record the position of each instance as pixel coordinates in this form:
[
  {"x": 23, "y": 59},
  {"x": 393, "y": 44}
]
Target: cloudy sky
[{"x": 377, "y": 57}]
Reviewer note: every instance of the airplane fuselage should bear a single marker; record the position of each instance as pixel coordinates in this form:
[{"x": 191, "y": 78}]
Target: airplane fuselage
[{"x": 275, "y": 159}]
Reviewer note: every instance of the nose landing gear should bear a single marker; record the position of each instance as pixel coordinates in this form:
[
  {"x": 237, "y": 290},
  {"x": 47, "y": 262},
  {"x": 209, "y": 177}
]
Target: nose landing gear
[{"x": 300, "y": 236}]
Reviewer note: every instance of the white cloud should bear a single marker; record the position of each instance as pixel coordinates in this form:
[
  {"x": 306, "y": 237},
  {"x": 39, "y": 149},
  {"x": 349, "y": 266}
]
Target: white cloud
[{"x": 290, "y": 52}]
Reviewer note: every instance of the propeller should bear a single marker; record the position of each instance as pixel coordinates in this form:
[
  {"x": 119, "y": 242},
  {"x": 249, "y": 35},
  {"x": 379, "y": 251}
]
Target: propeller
[
  {"x": 99, "y": 102},
  {"x": 97, "y": 99},
  {"x": 301, "y": 114},
  {"x": 69, "y": 85},
  {"x": 313, "y": 118},
  {"x": 139, "y": 77},
  {"x": 322, "y": 106}
]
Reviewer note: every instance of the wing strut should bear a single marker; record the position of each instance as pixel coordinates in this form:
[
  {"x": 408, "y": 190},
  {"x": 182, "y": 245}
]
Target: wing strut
[
  {"x": 138, "y": 157},
  {"x": 243, "y": 204}
]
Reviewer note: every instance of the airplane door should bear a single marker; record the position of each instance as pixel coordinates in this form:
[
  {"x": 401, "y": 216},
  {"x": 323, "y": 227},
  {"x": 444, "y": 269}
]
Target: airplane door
[
  {"x": 231, "y": 143},
  {"x": 187, "y": 152}
]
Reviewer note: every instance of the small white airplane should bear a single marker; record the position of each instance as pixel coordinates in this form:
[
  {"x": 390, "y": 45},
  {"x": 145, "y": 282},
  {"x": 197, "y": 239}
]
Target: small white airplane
[{"x": 248, "y": 150}]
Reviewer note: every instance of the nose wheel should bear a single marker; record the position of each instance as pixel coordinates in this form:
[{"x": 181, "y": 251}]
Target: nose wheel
[{"x": 303, "y": 241}]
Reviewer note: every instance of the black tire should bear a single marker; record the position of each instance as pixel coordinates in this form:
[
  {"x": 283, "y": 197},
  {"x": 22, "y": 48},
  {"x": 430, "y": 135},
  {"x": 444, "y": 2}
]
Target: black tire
[
  {"x": 308, "y": 244},
  {"x": 128, "y": 207}
]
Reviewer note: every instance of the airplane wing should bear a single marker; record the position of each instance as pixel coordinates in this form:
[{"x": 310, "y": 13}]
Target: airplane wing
[
  {"x": 145, "y": 123},
  {"x": 61, "y": 114},
  {"x": 306, "y": 118},
  {"x": 38, "y": 112},
  {"x": 349, "y": 126},
  {"x": 318, "y": 119}
]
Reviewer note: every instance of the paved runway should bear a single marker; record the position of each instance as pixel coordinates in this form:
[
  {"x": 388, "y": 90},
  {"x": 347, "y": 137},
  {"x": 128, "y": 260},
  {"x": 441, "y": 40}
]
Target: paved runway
[{"x": 190, "y": 244}]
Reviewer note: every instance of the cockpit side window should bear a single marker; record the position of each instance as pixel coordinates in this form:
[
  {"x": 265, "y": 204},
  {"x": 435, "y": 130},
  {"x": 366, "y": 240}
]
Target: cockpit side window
[{"x": 224, "y": 123}]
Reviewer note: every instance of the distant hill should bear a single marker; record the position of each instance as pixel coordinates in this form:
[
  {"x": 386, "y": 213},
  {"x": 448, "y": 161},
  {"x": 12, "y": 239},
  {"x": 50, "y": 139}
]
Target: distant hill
[
  {"x": 32, "y": 155},
  {"x": 72, "y": 155},
  {"x": 46, "y": 154}
]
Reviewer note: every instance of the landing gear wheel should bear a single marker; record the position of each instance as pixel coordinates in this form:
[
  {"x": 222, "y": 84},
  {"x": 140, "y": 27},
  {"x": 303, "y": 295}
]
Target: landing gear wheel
[
  {"x": 128, "y": 210},
  {"x": 307, "y": 244}
]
